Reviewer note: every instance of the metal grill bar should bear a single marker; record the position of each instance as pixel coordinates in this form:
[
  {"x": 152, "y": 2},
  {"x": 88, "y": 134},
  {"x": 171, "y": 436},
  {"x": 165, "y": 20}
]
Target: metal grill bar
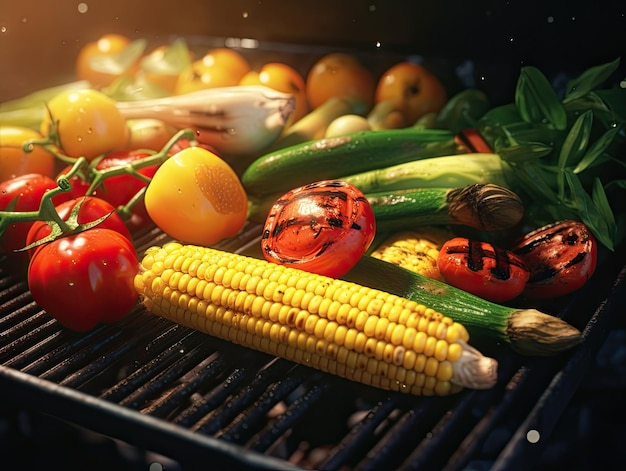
[{"x": 193, "y": 397}]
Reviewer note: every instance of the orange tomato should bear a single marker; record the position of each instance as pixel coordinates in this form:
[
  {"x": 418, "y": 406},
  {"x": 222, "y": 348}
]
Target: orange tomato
[
  {"x": 220, "y": 67},
  {"x": 106, "y": 46},
  {"x": 14, "y": 161},
  {"x": 164, "y": 64},
  {"x": 283, "y": 78},
  {"x": 337, "y": 75},
  {"x": 413, "y": 90}
]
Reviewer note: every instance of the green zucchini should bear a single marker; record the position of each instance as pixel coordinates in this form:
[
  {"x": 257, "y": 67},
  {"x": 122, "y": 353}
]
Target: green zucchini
[
  {"x": 452, "y": 171},
  {"x": 528, "y": 331},
  {"x": 328, "y": 158},
  {"x": 485, "y": 207}
]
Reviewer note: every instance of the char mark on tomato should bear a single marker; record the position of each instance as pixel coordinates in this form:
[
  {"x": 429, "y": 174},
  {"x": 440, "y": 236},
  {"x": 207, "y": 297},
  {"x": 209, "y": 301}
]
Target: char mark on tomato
[
  {"x": 478, "y": 251},
  {"x": 324, "y": 184},
  {"x": 541, "y": 273},
  {"x": 563, "y": 233}
]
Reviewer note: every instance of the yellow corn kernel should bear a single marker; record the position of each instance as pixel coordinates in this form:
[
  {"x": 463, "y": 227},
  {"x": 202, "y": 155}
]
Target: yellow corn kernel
[
  {"x": 416, "y": 250},
  {"x": 342, "y": 328}
]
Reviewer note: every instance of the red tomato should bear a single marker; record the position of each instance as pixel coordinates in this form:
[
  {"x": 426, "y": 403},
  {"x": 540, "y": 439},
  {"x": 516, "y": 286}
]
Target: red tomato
[
  {"x": 323, "y": 228},
  {"x": 561, "y": 258},
  {"x": 91, "y": 208},
  {"x": 482, "y": 269},
  {"x": 85, "y": 279},
  {"x": 119, "y": 189},
  {"x": 28, "y": 189}
]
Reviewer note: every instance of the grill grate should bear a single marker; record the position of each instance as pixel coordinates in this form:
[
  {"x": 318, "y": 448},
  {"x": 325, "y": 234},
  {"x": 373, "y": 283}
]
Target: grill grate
[{"x": 191, "y": 397}]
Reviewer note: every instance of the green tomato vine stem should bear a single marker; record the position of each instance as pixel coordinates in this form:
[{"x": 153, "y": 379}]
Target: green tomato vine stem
[{"x": 81, "y": 166}]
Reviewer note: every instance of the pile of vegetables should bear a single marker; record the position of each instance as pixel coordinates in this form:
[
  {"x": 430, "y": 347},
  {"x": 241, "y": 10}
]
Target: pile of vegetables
[{"x": 525, "y": 193}]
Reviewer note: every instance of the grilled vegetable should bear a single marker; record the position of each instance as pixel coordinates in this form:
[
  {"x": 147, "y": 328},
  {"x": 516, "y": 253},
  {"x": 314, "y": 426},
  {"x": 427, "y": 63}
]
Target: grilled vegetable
[
  {"x": 483, "y": 269},
  {"x": 529, "y": 331},
  {"x": 236, "y": 120},
  {"x": 329, "y": 158},
  {"x": 485, "y": 207},
  {"x": 416, "y": 250},
  {"x": 362, "y": 334},
  {"x": 561, "y": 258},
  {"x": 323, "y": 228},
  {"x": 449, "y": 171}
]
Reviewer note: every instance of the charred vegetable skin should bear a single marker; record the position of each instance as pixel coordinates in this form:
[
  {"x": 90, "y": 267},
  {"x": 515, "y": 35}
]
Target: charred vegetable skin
[
  {"x": 561, "y": 258},
  {"x": 483, "y": 269},
  {"x": 485, "y": 207},
  {"x": 324, "y": 228}
]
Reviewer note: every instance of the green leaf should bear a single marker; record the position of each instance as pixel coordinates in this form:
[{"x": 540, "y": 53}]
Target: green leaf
[
  {"x": 615, "y": 99},
  {"x": 618, "y": 183},
  {"x": 601, "y": 202},
  {"x": 588, "y": 211},
  {"x": 502, "y": 115},
  {"x": 524, "y": 151},
  {"x": 590, "y": 80},
  {"x": 576, "y": 141},
  {"x": 536, "y": 182},
  {"x": 597, "y": 149},
  {"x": 537, "y": 101}
]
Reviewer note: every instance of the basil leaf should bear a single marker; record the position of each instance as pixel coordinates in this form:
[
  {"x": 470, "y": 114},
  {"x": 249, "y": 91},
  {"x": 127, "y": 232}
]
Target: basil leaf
[
  {"x": 537, "y": 101},
  {"x": 535, "y": 182},
  {"x": 576, "y": 141},
  {"x": 596, "y": 150},
  {"x": 524, "y": 151},
  {"x": 601, "y": 202},
  {"x": 615, "y": 99},
  {"x": 590, "y": 80},
  {"x": 501, "y": 115},
  {"x": 588, "y": 212}
]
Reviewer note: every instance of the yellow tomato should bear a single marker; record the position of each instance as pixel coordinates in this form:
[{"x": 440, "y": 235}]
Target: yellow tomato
[
  {"x": 14, "y": 161},
  {"x": 338, "y": 75},
  {"x": 197, "y": 198},
  {"x": 87, "y": 123}
]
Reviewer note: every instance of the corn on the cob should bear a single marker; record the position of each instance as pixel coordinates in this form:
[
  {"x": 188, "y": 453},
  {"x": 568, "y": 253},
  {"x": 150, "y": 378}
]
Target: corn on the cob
[
  {"x": 356, "y": 332},
  {"x": 414, "y": 250}
]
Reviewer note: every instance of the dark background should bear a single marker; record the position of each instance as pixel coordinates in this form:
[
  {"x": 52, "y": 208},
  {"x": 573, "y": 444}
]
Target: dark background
[{"x": 482, "y": 41}]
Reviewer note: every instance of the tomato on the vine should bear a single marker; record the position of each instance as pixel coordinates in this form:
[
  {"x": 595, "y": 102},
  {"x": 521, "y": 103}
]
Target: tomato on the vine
[
  {"x": 324, "y": 227},
  {"x": 27, "y": 191},
  {"x": 85, "y": 279},
  {"x": 480, "y": 268},
  {"x": 15, "y": 161},
  {"x": 90, "y": 210},
  {"x": 88, "y": 123},
  {"x": 118, "y": 189},
  {"x": 196, "y": 197},
  {"x": 561, "y": 258}
]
